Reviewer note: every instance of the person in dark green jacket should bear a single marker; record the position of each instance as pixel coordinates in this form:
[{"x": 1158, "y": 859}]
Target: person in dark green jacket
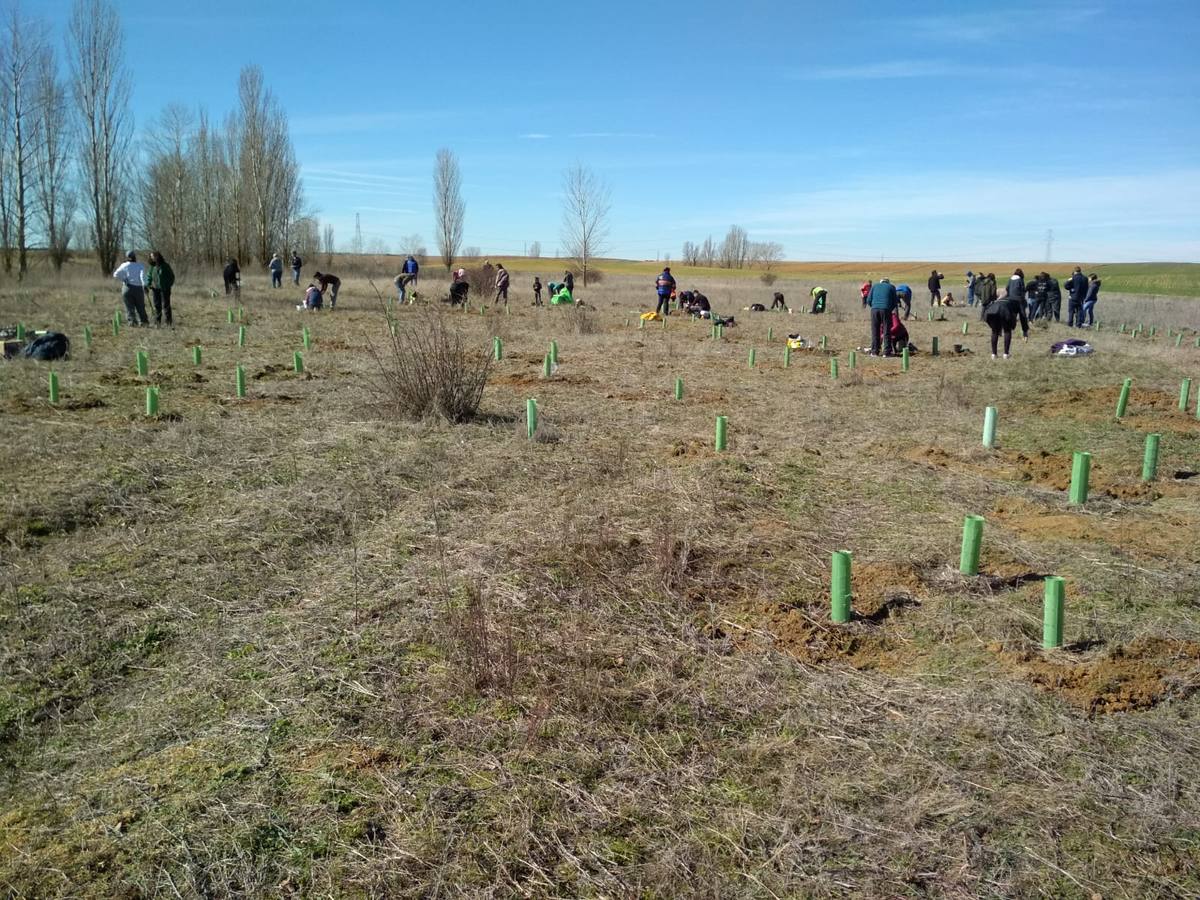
[{"x": 160, "y": 278}]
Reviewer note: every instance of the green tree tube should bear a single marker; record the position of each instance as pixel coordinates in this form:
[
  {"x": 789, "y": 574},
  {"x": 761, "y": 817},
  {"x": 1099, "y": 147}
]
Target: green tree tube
[
  {"x": 87, "y": 336},
  {"x": 933, "y": 346},
  {"x": 678, "y": 388},
  {"x": 852, "y": 359},
  {"x": 989, "y": 427},
  {"x": 497, "y": 348},
  {"x": 547, "y": 366},
  {"x": 833, "y": 368},
  {"x": 839, "y": 587},
  {"x": 152, "y": 401},
  {"x": 197, "y": 355},
  {"x": 1081, "y": 468},
  {"x": 750, "y": 358},
  {"x": 239, "y": 380},
  {"x": 1185, "y": 391},
  {"x": 141, "y": 363},
  {"x": 1123, "y": 398},
  {"x": 787, "y": 355},
  {"x": 1052, "y": 613},
  {"x": 554, "y": 351},
  {"x": 721, "y": 433},
  {"x": 297, "y": 361},
  {"x": 531, "y": 418},
  {"x": 972, "y": 541},
  {"x": 1150, "y": 457},
  {"x": 904, "y": 360}
]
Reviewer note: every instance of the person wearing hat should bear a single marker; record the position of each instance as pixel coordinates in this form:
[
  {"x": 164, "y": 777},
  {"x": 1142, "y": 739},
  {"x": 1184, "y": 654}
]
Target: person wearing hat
[{"x": 132, "y": 275}]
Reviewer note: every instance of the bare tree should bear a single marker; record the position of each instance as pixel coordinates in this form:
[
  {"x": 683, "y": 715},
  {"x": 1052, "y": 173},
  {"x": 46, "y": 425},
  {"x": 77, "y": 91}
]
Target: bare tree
[
  {"x": 765, "y": 253},
  {"x": 586, "y": 204},
  {"x": 411, "y": 245},
  {"x": 55, "y": 195},
  {"x": 535, "y": 250},
  {"x": 24, "y": 46},
  {"x": 708, "y": 252},
  {"x": 449, "y": 209},
  {"x": 327, "y": 244},
  {"x": 267, "y": 163},
  {"x": 735, "y": 249},
  {"x": 691, "y": 254},
  {"x": 167, "y": 192},
  {"x": 100, "y": 86}
]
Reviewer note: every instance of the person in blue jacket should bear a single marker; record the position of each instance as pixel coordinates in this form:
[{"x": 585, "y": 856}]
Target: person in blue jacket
[
  {"x": 904, "y": 296},
  {"x": 664, "y": 286},
  {"x": 883, "y": 299}
]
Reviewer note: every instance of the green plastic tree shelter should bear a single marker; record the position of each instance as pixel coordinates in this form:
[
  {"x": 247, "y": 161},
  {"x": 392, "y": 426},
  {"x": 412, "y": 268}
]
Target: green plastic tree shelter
[
  {"x": 1081, "y": 467},
  {"x": 1052, "y": 613},
  {"x": 1150, "y": 457},
  {"x": 722, "y": 433},
  {"x": 972, "y": 541},
  {"x": 839, "y": 587},
  {"x": 989, "y": 427}
]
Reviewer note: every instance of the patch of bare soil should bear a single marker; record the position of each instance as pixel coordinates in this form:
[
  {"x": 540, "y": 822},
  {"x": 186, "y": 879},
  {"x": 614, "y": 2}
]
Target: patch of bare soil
[
  {"x": 530, "y": 379},
  {"x": 1169, "y": 536},
  {"x": 803, "y": 630},
  {"x": 1148, "y": 410},
  {"x": 1050, "y": 470},
  {"x": 1133, "y": 676}
]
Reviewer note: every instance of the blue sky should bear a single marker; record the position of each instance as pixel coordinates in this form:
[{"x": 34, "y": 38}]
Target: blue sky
[{"x": 849, "y": 130}]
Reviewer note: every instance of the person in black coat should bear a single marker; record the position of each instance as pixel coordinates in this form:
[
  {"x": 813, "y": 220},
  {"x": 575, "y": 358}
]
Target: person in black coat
[
  {"x": 233, "y": 278},
  {"x": 1077, "y": 286},
  {"x": 1002, "y": 316}
]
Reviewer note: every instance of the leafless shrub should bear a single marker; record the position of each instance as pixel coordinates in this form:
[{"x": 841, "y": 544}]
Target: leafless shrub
[
  {"x": 768, "y": 278},
  {"x": 483, "y": 645},
  {"x": 953, "y": 392},
  {"x": 580, "y": 320},
  {"x": 428, "y": 368}
]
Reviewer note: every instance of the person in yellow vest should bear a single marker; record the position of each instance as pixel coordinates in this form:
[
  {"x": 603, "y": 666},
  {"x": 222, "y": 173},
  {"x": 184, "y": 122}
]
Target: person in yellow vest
[{"x": 819, "y": 294}]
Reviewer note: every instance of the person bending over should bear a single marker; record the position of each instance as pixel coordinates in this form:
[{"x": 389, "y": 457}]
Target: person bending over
[{"x": 1002, "y": 316}]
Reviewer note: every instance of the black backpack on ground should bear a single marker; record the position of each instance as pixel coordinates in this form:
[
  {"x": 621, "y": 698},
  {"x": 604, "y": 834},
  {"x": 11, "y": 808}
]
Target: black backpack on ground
[{"x": 49, "y": 346}]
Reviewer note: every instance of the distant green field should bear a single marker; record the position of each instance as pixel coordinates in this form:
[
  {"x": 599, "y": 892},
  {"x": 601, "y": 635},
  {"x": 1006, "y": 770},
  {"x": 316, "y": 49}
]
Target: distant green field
[
  {"x": 1174, "y": 279},
  {"x": 1171, "y": 279}
]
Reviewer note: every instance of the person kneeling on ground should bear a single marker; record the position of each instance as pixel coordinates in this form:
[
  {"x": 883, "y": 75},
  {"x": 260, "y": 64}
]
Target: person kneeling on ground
[
  {"x": 948, "y": 300},
  {"x": 1003, "y": 314},
  {"x": 777, "y": 302},
  {"x": 312, "y": 298},
  {"x": 460, "y": 288},
  {"x": 819, "y": 295},
  {"x": 700, "y": 307}
]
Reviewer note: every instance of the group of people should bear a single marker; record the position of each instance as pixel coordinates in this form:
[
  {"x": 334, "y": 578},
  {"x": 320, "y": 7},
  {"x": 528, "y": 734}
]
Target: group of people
[
  {"x": 136, "y": 279},
  {"x": 1020, "y": 303}
]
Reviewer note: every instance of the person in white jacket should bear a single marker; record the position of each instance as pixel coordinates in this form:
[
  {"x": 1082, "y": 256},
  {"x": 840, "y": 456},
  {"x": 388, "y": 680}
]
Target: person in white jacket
[{"x": 132, "y": 275}]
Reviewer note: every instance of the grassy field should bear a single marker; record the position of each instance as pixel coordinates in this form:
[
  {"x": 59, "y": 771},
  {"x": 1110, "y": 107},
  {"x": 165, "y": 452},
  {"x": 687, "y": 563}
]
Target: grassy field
[
  {"x": 289, "y": 646},
  {"x": 1167, "y": 279}
]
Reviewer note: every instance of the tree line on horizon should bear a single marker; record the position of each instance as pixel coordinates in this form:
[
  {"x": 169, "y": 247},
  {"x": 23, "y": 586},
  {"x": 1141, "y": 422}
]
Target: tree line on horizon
[{"x": 73, "y": 177}]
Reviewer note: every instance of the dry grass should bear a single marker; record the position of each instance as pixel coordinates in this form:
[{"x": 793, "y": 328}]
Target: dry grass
[{"x": 288, "y": 646}]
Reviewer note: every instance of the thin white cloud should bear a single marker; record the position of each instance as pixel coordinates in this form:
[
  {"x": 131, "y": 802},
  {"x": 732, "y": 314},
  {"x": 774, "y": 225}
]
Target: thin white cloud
[
  {"x": 534, "y": 136},
  {"x": 883, "y": 70}
]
